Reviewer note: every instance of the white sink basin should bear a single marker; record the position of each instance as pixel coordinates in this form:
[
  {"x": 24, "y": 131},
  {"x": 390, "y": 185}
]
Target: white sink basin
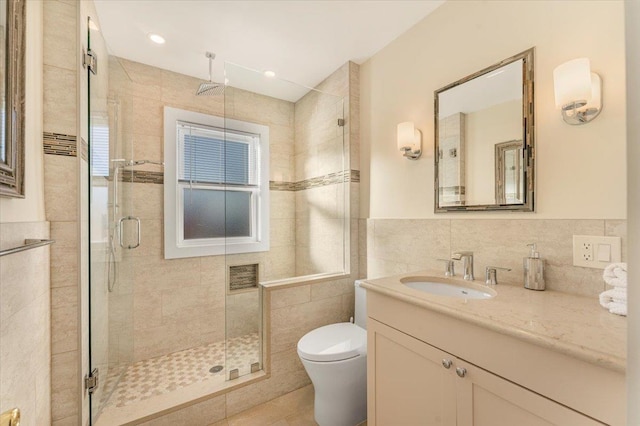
[{"x": 457, "y": 290}]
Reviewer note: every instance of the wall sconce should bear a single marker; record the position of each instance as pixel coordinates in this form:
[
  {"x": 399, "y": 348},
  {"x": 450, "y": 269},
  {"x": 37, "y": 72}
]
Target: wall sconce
[
  {"x": 409, "y": 140},
  {"x": 578, "y": 91}
]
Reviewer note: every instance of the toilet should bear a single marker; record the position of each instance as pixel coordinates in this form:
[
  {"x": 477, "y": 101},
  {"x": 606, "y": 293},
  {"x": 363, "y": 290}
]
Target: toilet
[{"x": 335, "y": 357}]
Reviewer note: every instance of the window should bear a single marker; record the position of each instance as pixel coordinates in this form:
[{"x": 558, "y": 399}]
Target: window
[
  {"x": 99, "y": 148},
  {"x": 216, "y": 185}
]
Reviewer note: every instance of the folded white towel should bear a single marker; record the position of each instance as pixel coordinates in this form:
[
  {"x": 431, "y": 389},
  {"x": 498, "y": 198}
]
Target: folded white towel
[
  {"x": 618, "y": 308},
  {"x": 616, "y": 274},
  {"x": 615, "y": 300}
]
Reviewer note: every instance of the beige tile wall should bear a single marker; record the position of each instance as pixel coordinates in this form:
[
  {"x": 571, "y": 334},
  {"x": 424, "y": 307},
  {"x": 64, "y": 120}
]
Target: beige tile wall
[
  {"x": 403, "y": 245},
  {"x": 319, "y": 148},
  {"x": 180, "y": 303},
  {"x": 294, "y": 311},
  {"x": 25, "y": 315},
  {"x": 147, "y": 91},
  {"x": 61, "y": 201}
]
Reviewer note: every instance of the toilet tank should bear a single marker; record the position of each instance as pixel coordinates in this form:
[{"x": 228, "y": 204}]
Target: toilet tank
[{"x": 361, "y": 305}]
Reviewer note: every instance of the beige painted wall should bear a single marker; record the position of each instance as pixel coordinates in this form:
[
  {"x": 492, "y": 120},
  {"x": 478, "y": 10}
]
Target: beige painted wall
[
  {"x": 30, "y": 208},
  {"x": 632, "y": 11},
  {"x": 459, "y": 38}
]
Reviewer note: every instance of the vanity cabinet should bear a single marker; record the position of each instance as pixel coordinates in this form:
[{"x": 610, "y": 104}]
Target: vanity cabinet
[
  {"x": 415, "y": 383},
  {"x": 493, "y": 378}
]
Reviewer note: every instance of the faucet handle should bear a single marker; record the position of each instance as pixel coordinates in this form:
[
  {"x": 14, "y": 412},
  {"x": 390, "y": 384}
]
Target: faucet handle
[
  {"x": 460, "y": 254},
  {"x": 491, "y": 274},
  {"x": 449, "y": 270}
]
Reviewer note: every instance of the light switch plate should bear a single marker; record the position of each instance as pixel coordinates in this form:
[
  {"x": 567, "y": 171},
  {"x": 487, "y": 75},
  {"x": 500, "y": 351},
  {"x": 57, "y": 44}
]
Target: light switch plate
[{"x": 587, "y": 249}]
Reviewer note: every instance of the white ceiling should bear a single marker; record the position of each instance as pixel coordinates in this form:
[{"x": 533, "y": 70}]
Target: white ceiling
[{"x": 303, "y": 41}]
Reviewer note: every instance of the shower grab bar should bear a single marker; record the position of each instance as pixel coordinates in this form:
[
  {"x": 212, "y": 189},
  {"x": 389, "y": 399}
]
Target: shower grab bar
[
  {"x": 122, "y": 219},
  {"x": 29, "y": 244}
]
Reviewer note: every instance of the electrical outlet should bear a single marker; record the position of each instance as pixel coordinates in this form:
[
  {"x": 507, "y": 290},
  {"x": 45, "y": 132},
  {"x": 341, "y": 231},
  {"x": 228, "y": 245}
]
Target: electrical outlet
[
  {"x": 586, "y": 251},
  {"x": 595, "y": 251}
]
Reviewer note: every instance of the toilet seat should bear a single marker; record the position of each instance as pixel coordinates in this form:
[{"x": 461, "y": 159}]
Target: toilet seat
[{"x": 334, "y": 342}]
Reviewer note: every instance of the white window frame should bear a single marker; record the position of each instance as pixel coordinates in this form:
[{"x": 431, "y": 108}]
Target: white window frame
[{"x": 174, "y": 244}]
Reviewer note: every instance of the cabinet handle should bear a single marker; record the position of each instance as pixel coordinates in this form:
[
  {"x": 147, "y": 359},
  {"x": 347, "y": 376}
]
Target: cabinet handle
[
  {"x": 461, "y": 371},
  {"x": 446, "y": 363}
]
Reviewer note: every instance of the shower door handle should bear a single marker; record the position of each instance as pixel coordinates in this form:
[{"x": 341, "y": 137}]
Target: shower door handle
[{"x": 120, "y": 223}]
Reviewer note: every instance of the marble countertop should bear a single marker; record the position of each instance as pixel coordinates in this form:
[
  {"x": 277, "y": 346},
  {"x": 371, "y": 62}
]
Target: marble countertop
[{"x": 574, "y": 325}]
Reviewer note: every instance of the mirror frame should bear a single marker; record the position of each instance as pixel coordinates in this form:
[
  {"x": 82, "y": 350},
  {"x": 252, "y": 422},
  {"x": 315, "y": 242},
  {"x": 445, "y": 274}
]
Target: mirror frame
[
  {"x": 12, "y": 171},
  {"x": 528, "y": 138}
]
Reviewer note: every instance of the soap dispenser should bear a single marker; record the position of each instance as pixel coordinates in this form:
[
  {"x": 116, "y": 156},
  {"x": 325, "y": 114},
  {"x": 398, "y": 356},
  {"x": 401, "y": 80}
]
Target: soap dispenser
[{"x": 534, "y": 270}]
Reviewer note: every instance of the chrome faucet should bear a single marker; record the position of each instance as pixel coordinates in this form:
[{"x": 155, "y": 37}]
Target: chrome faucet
[
  {"x": 491, "y": 274},
  {"x": 467, "y": 263},
  {"x": 449, "y": 270}
]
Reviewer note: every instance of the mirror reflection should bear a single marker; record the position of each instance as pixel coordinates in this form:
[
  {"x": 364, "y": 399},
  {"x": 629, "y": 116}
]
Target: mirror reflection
[{"x": 481, "y": 139}]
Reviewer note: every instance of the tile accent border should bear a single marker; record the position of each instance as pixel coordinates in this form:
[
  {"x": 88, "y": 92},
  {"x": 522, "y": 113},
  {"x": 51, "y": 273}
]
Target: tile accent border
[
  {"x": 60, "y": 144},
  {"x": 316, "y": 182},
  {"x": 142, "y": 176},
  {"x": 67, "y": 145}
]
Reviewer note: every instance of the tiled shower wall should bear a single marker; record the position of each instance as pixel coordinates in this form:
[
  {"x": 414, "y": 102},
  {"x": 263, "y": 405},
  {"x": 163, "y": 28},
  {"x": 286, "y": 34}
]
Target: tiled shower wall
[
  {"x": 61, "y": 165},
  {"x": 397, "y": 246},
  {"x": 320, "y": 146},
  {"x": 180, "y": 303},
  {"x": 294, "y": 310}
]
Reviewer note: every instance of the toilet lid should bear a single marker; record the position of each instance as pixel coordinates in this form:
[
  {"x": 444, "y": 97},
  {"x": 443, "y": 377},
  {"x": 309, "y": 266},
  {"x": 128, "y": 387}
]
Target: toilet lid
[{"x": 333, "y": 342}]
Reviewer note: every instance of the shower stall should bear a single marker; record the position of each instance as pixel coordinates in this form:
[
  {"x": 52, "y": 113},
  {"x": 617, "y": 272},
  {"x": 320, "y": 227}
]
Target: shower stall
[{"x": 166, "y": 330}]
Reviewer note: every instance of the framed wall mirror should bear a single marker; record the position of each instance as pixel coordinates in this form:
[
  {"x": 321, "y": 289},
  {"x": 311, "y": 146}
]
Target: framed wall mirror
[
  {"x": 12, "y": 97},
  {"x": 484, "y": 139}
]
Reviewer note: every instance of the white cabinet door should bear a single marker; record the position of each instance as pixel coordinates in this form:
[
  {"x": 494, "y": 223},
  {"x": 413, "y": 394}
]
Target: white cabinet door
[
  {"x": 408, "y": 385},
  {"x": 484, "y": 399}
]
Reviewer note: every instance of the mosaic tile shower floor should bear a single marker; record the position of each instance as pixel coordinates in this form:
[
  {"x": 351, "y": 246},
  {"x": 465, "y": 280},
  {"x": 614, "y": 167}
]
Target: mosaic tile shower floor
[{"x": 167, "y": 373}]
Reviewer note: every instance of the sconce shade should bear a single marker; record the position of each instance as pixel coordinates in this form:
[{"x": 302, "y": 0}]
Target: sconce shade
[
  {"x": 407, "y": 136},
  {"x": 572, "y": 82},
  {"x": 596, "y": 91},
  {"x": 409, "y": 140}
]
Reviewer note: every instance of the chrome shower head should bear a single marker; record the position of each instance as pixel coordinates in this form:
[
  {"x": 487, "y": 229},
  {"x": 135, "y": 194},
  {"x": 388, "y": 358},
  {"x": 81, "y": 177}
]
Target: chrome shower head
[{"x": 210, "y": 88}]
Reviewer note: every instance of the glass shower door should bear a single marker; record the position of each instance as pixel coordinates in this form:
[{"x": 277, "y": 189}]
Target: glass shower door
[{"x": 110, "y": 298}]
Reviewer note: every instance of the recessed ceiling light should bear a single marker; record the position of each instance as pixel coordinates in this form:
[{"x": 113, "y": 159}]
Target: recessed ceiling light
[
  {"x": 269, "y": 74},
  {"x": 156, "y": 38}
]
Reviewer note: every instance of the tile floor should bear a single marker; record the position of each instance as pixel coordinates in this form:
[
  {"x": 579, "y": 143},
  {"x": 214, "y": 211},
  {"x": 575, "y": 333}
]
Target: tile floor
[
  {"x": 145, "y": 379},
  {"x": 292, "y": 409}
]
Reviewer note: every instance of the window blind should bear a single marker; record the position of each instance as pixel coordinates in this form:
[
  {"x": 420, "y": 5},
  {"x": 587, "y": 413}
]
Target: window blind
[
  {"x": 99, "y": 150},
  {"x": 208, "y": 155}
]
